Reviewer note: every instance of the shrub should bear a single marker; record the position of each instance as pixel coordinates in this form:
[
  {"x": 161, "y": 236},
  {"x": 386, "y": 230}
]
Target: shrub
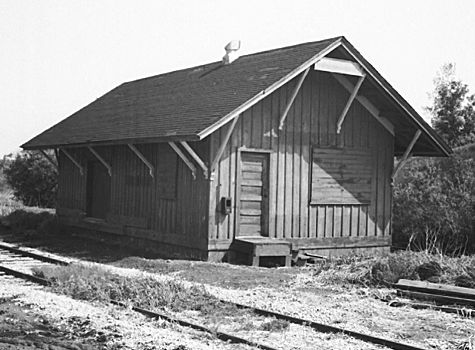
[
  {"x": 433, "y": 205},
  {"x": 32, "y": 178},
  {"x": 21, "y": 220}
]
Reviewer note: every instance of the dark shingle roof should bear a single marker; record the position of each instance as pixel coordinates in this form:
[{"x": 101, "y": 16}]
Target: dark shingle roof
[
  {"x": 177, "y": 105},
  {"x": 188, "y": 104}
]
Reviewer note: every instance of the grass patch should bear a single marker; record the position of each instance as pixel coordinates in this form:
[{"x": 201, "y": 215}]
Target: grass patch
[
  {"x": 274, "y": 325},
  {"x": 94, "y": 283},
  {"x": 217, "y": 274},
  {"x": 385, "y": 270}
]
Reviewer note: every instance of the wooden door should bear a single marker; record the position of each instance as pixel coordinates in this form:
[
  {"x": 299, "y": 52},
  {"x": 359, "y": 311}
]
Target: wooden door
[
  {"x": 98, "y": 190},
  {"x": 253, "y": 194}
]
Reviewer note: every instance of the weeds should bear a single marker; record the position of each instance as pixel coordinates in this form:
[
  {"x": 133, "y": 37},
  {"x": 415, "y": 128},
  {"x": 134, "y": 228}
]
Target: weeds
[
  {"x": 468, "y": 344},
  {"x": 274, "y": 325},
  {"x": 88, "y": 282},
  {"x": 383, "y": 271}
]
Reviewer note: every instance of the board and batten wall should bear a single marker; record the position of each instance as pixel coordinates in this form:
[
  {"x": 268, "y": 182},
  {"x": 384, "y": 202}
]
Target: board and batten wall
[
  {"x": 169, "y": 208},
  {"x": 312, "y": 201}
]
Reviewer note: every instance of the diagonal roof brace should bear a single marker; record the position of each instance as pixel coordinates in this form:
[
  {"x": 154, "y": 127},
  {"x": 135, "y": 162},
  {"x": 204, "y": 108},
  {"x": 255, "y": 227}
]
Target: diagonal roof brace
[
  {"x": 348, "y": 103},
  {"x": 222, "y": 146},
  {"x": 139, "y": 154},
  {"x": 74, "y": 161},
  {"x": 292, "y": 98},
  {"x": 102, "y": 160},
  {"x": 184, "y": 158},
  {"x": 196, "y": 157},
  {"x": 406, "y": 154},
  {"x": 46, "y": 155},
  {"x": 365, "y": 103}
]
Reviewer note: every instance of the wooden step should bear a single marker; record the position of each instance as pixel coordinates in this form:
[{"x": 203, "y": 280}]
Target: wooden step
[{"x": 255, "y": 247}]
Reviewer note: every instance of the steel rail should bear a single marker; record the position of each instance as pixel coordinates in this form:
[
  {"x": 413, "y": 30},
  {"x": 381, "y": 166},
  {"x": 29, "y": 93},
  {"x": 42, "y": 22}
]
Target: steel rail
[
  {"x": 320, "y": 327},
  {"x": 25, "y": 276},
  {"x": 33, "y": 255},
  {"x": 220, "y": 335},
  {"x": 152, "y": 314}
]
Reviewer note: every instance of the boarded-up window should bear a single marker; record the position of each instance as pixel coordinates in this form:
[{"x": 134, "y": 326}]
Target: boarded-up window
[
  {"x": 341, "y": 176},
  {"x": 166, "y": 172}
]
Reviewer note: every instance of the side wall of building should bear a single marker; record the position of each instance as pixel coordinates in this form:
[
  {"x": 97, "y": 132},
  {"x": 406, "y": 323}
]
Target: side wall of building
[
  {"x": 167, "y": 213},
  {"x": 305, "y": 154}
]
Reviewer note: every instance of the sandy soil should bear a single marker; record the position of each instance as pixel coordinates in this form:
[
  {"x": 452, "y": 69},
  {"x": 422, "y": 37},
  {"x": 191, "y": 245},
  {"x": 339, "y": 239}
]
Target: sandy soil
[{"x": 31, "y": 317}]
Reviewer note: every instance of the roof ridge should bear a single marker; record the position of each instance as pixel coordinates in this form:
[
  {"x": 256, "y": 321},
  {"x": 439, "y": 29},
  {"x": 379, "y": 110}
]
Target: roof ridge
[
  {"x": 295, "y": 45},
  {"x": 247, "y": 55}
]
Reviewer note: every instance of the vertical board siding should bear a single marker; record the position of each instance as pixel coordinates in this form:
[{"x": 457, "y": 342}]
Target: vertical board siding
[
  {"x": 310, "y": 123},
  {"x": 71, "y": 185},
  {"x": 171, "y": 202}
]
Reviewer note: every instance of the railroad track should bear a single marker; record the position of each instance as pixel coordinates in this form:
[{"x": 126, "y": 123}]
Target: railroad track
[{"x": 19, "y": 262}]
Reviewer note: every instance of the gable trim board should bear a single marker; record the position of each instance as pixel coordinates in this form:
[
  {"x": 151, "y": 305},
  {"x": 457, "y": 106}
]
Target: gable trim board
[{"x": 336, "y": 65}]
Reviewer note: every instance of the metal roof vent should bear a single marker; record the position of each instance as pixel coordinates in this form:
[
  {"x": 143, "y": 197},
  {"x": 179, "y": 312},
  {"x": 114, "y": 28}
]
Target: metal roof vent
[{"x": 231, "y": 51}]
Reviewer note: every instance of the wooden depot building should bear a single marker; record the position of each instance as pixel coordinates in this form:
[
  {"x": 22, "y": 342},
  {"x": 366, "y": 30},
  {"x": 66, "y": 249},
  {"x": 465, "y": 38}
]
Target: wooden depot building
[{"x": 276, "y": 152}]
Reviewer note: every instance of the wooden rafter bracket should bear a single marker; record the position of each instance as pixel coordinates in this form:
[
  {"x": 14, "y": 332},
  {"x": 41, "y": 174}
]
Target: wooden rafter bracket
[
  {"x": 353, "y": 94},
  {"x": 151, "y": 168},
  {"x": 365, "y": 103},
  {"x": 74, "y": 161},
  {"x": 292, "y": 98},
  {"x": 224, "y": 142},
  {"x": 406, "y": 154},
  {"x": 196, "y": 157},
  {"x": 49, "y": 159},
  {"x": 185, "y": 159},
  {"x": 102, "y": 160}
]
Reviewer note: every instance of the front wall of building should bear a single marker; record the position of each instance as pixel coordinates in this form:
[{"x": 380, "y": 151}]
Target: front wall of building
[{"x": 324, "y": 189}]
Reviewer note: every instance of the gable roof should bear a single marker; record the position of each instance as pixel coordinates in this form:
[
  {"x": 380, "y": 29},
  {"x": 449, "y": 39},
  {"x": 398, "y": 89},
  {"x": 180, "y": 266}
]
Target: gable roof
[{"x": 190, "y": 104}]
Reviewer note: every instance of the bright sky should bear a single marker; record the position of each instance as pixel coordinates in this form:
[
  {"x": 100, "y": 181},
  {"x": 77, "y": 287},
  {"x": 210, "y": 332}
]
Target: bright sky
[{"x": 58, "y": 56}]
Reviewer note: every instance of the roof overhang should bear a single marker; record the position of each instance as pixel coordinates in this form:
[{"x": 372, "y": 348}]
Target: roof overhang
[{"x": 171, "y": 138}]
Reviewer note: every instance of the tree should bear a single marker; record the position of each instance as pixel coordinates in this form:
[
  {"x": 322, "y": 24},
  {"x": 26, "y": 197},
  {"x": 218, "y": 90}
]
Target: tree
[
  {"x": 433, "y": 198},
  {"x": 453, "y": 108},
  {"x": 32, "y": 178}
]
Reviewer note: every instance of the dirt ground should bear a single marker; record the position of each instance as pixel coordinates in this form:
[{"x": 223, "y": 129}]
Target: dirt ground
[{"x": 22, "y": 329}]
